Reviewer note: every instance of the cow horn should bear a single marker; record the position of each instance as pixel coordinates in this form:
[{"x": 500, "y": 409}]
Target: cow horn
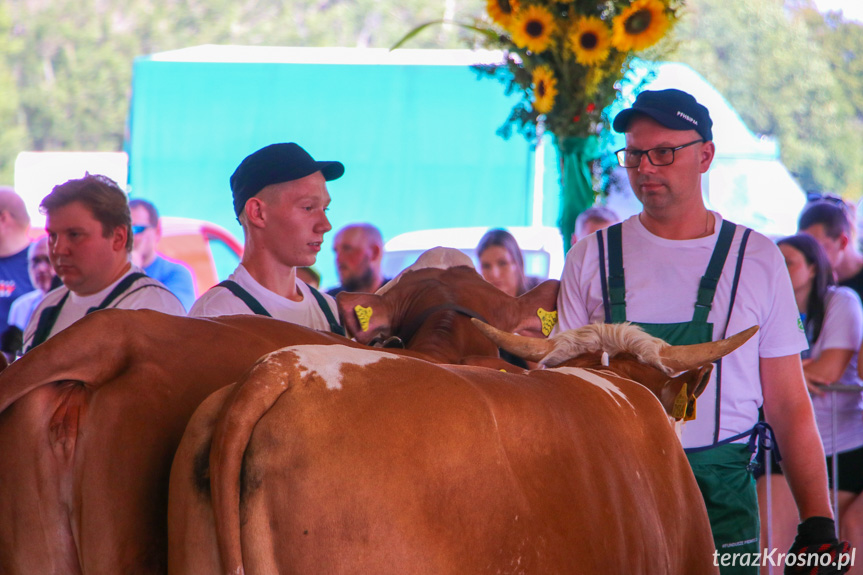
[
  {"x": 686, "y": 357},
  {"x": 529, "y": 348}
]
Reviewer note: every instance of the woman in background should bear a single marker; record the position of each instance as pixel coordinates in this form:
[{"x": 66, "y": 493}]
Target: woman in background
[
  {"x": 833, "y": 319},
  {"x": 501, "y": 262},
  {"x": 502, "y": 265}
]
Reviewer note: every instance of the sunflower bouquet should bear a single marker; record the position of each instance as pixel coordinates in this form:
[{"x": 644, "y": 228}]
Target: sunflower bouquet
[{"x": 566, "y": 57}]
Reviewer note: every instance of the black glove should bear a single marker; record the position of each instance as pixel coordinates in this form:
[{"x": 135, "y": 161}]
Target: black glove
[{"x": 815, "y": 542}]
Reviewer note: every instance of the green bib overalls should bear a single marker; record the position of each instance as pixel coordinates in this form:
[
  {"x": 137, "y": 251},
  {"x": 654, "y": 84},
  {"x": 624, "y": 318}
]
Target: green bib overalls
[{"x": 721, "y": 468}]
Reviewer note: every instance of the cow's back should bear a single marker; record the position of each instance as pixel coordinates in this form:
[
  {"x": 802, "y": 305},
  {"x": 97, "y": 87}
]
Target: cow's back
[
  {"x": 401, "y": 466},
  {"x": 88, "y": 438}
]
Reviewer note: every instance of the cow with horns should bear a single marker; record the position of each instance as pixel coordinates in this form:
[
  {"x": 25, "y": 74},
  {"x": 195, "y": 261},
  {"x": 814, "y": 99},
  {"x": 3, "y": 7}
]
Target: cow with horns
[
  {"x": 361, "y": 461},
  {"x": 90, "y": 420}
]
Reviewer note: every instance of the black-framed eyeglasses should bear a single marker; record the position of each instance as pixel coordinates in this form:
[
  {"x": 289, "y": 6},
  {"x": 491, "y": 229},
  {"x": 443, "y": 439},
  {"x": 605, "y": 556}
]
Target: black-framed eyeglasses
[{"x": 656, "y": 156}]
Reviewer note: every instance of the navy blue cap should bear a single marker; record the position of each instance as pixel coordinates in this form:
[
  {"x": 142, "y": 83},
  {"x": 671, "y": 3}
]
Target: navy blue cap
[
  {"x": 674, "y": 109},
  {"x": 275, "y": 164}
]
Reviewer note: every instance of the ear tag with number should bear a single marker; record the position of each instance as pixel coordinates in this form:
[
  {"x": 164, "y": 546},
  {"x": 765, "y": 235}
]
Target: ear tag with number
[
  {"x": 678, "y": 410},
  {"x": 690, "y": 410},
  {"x": 364, "y": 314},
  {"x": 548, "y": 319}
]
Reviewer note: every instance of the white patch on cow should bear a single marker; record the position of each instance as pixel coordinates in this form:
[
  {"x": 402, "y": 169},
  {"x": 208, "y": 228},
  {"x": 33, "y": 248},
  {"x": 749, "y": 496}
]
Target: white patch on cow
[
  {"x": 326, "y": 361},
  {"x": 608, "y": 338},
  {"x": 438, "y": 258},
  {"x": 605, "y": 358},
  {"x": 593, "y": 377}
]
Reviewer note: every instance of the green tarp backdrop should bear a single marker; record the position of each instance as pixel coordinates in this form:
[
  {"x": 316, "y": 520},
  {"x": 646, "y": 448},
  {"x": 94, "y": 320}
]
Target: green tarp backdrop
[{"x": 415, "y": 130}]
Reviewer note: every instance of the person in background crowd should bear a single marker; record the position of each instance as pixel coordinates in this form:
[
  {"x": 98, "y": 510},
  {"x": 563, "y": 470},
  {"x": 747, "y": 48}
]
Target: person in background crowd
[
  {"x": 89, "y": 241},
  {"x": 592, "y": 219},
  {"x": 359, "y": 251},
  {"x": 828, "y": 222},
  {"x": 502, "y": 265},
  {"x": 501, "y": 262},
  {"x": 42, "y": 277},
  {"x": 14, "y": 241},
  {"x": 685, "y": 275},
  {"x": 281, "y": 200},
  {"x": 833, "y": 320},
  {"x": 147, "y": 231}
]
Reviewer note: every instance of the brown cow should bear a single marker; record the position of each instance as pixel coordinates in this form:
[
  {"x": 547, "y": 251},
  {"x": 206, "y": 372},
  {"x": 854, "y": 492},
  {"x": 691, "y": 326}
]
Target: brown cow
[
  {"x": 337, "y": 460},
  {"x": 429, "y": 307},
  {"x": 90, "y": 420}
]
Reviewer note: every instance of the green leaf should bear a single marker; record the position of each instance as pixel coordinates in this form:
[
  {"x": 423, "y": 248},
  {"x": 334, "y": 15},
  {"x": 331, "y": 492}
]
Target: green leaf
[{"x": 490, "y": 34}]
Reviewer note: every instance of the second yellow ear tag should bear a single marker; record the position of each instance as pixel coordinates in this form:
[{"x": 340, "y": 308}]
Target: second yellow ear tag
[
  {"x": 678, "y": 410},
  {"x": 548, "y": 319},
  {"x": 690, "y": 410},
  {"x": 364, "y": 314}
]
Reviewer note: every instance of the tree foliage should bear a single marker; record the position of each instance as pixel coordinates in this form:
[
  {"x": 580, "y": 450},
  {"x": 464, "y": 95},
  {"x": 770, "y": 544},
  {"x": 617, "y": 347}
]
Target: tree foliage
[
  {"x": 65, "y": 65},
  {"x": 770, "y": 64}
]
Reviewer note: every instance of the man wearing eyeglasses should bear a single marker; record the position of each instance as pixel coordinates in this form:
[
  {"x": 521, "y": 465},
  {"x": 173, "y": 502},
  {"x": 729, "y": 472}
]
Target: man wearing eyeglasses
[
  {"x": 686, "y": 275},
  {"x": 147, "y": 231},
  {"x": 89, "y": 241}
]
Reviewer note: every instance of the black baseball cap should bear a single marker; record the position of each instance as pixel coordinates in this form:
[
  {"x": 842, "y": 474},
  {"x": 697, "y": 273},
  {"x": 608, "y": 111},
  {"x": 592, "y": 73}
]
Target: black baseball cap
[
  {"x": 275, "y": 164},
  {"x": 674, "y": 109}
]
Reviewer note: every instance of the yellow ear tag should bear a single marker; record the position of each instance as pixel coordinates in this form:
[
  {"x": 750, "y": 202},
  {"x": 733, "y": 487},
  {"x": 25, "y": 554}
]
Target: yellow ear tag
[
  {"x": 364, "y": 314},
  {"x": 548, "y": 319},
  {"x": 678, "y": 410},
  {"x": 690, "y": 410}
]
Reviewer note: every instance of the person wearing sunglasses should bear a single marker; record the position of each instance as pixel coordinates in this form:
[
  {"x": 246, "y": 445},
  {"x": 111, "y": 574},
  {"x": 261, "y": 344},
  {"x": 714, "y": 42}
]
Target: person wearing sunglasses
[
  {"x": 89, "y": 241},
  {"x": 147, "y": 232},
  {"x": 686, "y": 275}
]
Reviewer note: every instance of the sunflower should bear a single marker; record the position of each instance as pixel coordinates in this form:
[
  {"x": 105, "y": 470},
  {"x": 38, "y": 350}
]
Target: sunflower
[
  {"x": 544, "y": 89},
  {"x": 502, "y": 11},
  {"x": 640, "y": 26},
  {"x": 590, "y": 40},
  {"x": 532, "y": 29}
]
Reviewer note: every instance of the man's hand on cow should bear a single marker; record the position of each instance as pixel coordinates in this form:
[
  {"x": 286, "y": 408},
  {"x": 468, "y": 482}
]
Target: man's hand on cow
[{"x": 817, "y": 551}]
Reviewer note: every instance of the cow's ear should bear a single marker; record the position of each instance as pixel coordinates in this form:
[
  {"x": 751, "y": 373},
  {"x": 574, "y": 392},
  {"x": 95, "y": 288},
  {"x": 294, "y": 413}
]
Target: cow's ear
[
  {"x": 537, "y": 309},
  {"x": 678, "y": 395},
  {"x": 364, "y": 315}
]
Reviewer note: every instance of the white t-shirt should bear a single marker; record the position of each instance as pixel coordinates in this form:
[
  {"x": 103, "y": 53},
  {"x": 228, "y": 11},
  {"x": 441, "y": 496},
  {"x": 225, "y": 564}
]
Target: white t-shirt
[
  {"x": 662, "y": 278},
  {"x": 220, "y": 301},
  {"x": 842, "y": 329},
  {"x": 145, "y": 293}
]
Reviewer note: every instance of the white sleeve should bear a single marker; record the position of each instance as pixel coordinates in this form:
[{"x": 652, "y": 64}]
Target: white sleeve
[{"x": 843, "y": 321}]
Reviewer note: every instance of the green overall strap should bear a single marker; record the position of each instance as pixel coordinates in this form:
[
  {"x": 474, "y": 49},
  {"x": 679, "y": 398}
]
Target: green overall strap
[
  {"x": 602, "y": 279},
  {"x": 47, "y": 319},
  {"x": 710, "y": 279},
  {"x": 125, "y": 284},
  {"x": 49, "y": 315},
  {"x": 247, "y": 298},
  {"x": 325, "y": 307},
  {"x": 616, "y": 283}
]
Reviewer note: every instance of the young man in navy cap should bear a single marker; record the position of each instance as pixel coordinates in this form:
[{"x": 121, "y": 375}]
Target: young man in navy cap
[
  {"x": 688, "y": 276},
  {"x": 280, "y": 198}
]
